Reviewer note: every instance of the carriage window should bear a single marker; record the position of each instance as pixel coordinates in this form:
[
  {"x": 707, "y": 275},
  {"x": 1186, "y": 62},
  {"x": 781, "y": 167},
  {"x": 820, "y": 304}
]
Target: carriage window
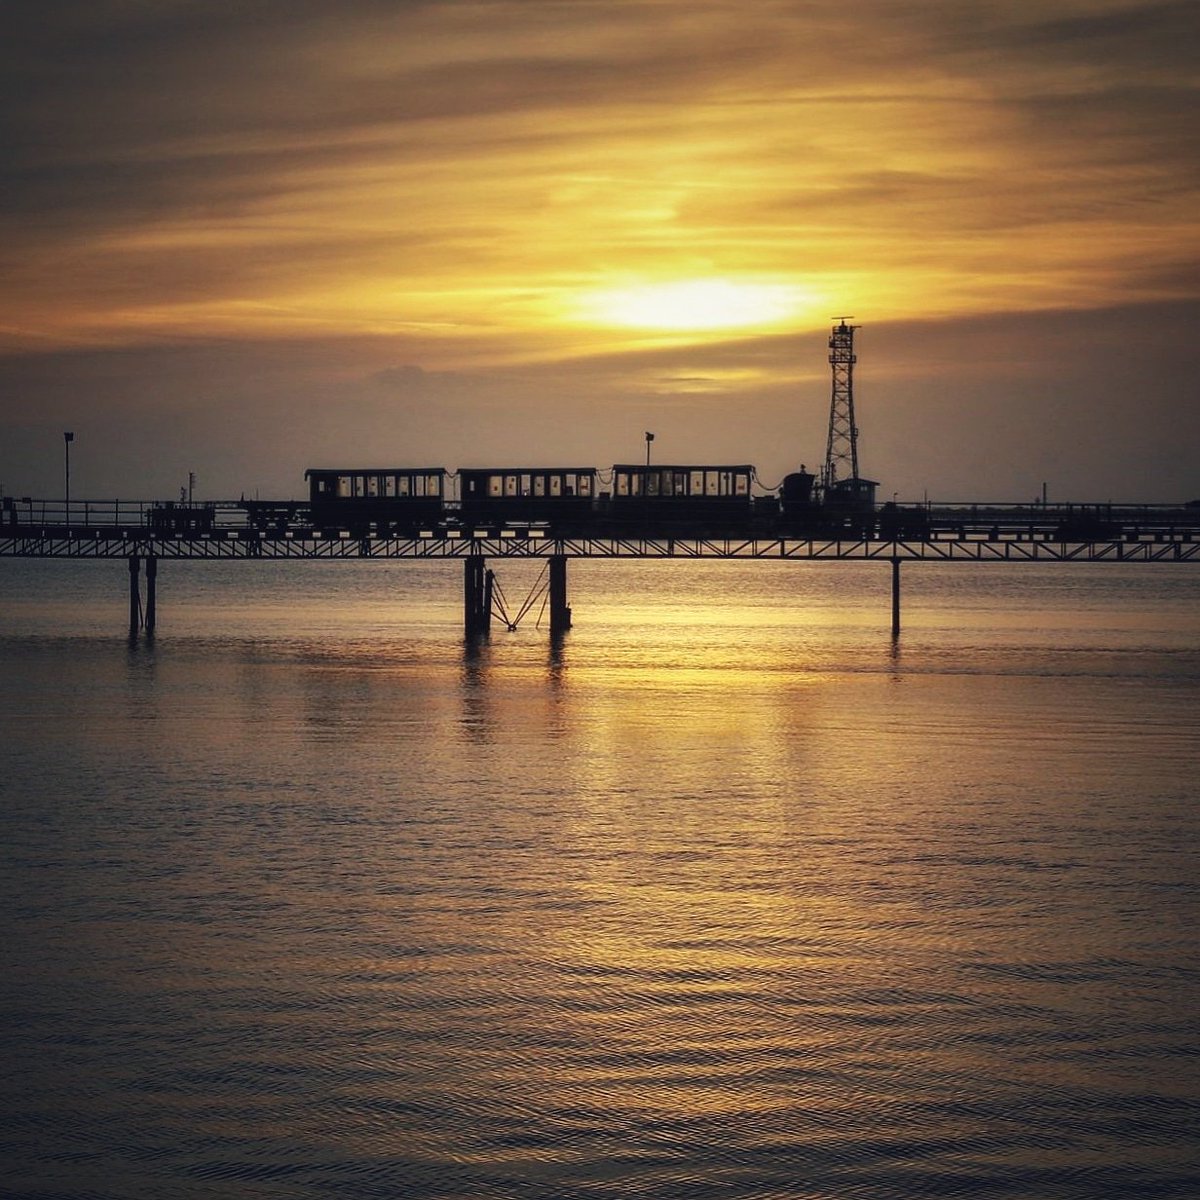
[
  {"x": 510, "y": 485},
  {"x": 372, "y": 482},
  {"x": 526, "y": 486},
  {"x": 343, "y": 486},
  {"x": 585, "y": 485},
  {"x": 433, "y": 485},
  {"x": 556, "y": 485},
  {"x": 539, "y": 485},
  {"x": 681, "y": 483},
  {"x": 742, "y": 483},
  {"x": 389, "y": 486},
  {"x": 696, "y": 484},
  {"x": 495, "y": 485}
]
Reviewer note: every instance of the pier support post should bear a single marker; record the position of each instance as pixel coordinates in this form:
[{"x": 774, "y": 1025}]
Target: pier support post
[
  {"x": 151, "y": 580},
  {"x": 475, "y": 613},
  {"x": 560, "y": 611},
  {"x": 135, "y": 600},
  {"x": 895, "y": 597},
  {"x": 489, "y": 585}
]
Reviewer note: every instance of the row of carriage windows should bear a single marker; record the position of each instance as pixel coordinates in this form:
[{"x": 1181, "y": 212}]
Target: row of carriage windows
[
  {"x": 670, "y": 481},
  {"x": 393, "y": 485},
  {"x": 529, "y": 483},
  {"x": 639, "y": 481}
]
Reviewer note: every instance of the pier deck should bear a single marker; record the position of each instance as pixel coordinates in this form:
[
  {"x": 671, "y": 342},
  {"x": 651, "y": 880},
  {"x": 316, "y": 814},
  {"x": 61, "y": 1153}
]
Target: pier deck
[{"x": 231, "y": 544}]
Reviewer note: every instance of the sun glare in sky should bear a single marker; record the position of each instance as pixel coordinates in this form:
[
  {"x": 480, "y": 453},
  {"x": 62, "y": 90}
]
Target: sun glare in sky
[{"x": 694, "y": 305}]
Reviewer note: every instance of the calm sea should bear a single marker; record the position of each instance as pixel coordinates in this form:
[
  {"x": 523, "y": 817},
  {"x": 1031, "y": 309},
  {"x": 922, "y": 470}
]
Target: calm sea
[{"x": 725, "y": 896}]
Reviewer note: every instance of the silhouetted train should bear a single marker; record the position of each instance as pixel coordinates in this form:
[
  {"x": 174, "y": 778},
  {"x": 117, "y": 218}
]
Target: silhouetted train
[
  {"x": 693, "y": 499},
  {"x": 665, "y": 500}
]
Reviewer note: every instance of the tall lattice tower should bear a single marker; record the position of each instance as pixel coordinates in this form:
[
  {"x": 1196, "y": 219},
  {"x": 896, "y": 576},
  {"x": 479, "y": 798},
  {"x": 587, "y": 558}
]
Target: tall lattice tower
[{"x": 841, "y": 449}]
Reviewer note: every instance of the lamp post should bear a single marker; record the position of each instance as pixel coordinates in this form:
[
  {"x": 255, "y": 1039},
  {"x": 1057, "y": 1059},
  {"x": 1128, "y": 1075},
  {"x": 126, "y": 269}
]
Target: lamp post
[
  {"x": 68, "y": 438},
  {"x": 649, "y": 439}
]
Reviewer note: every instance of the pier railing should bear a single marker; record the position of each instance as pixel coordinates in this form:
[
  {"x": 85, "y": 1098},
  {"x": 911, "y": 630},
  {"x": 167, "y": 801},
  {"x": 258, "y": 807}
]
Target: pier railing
[{"x": 26, "y": 512}]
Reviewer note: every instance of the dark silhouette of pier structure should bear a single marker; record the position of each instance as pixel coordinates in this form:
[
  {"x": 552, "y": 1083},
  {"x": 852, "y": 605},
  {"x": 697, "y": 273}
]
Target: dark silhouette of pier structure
[
  {"x": 963, "y": 533},
  {"x": 557, "y": 513}
]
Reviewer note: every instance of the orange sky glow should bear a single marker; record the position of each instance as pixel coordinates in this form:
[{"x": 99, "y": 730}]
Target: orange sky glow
[{"x": 586, "y": 198}]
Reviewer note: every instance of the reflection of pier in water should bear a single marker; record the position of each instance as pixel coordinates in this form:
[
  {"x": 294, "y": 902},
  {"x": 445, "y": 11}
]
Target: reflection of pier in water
[{"x": 137, "y": 545}]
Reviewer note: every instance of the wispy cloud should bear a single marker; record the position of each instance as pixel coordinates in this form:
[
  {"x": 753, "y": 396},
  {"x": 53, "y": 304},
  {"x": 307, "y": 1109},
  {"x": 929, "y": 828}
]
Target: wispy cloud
[
  {"x": 469, "y": 164},
  {"x": 436, "y": 189}
]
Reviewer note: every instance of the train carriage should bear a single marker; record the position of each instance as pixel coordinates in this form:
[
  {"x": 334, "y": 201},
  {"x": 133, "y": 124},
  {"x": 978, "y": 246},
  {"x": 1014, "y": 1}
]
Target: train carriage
[
  {"x": 376, "y": 498},
  {"x": 681, "y": 496},
  {"x": 526, "y": 495}
]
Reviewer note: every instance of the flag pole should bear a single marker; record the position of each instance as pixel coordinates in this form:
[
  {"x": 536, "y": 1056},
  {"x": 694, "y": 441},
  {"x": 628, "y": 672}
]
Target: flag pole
[{"x": 68, "y": 438}]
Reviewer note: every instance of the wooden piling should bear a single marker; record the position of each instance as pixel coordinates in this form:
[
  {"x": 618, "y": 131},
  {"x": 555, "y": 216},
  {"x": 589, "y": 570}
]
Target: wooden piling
[
  {"x": 151, "y": 580},
  {"x": 895, "y": 597},
  {"x": 560, "y": 611},
  {"x": 475, "y": 622},
  {"x": 135, "y": 601}
]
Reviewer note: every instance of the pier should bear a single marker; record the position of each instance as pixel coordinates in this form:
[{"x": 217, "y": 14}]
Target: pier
[
  {"x": 97, "y": 532},
  {"x": 556, "y": 513}
]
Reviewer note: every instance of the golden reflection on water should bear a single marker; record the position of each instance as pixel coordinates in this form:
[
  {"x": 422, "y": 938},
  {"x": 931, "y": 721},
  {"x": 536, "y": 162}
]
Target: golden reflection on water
[{"x": 685, "y": 894}]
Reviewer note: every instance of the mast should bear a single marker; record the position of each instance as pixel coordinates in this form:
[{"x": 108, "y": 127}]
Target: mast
[{"x": 841, "y": 447}]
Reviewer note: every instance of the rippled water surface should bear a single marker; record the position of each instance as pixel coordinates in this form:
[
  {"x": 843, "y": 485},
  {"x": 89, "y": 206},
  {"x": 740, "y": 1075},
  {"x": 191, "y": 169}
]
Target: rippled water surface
[{"x": 726, "y": 895}]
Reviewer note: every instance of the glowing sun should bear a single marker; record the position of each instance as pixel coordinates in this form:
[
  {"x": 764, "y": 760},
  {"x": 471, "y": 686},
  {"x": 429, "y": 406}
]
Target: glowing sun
[{"x": 694, "y": 304}]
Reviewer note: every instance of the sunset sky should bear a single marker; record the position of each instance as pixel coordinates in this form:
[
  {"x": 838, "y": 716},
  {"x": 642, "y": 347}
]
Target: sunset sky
[{"x": 242, "y": 239}]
